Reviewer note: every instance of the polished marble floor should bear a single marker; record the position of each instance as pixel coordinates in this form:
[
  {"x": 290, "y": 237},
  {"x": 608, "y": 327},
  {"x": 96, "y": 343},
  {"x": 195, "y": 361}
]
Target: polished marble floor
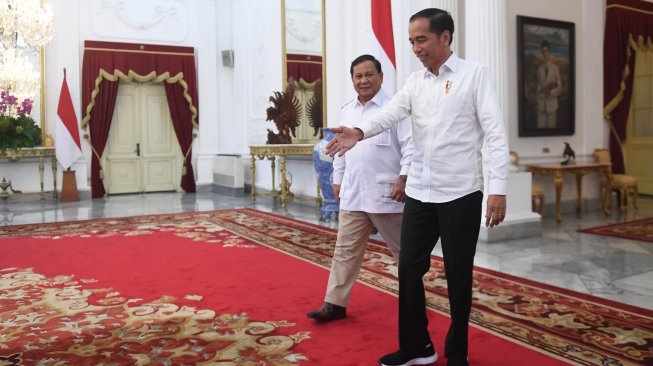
[{"x": 611, "y": 268}]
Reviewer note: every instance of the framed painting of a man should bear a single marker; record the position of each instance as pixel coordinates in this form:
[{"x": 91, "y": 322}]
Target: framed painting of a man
[{"x": 545, "y": 53}]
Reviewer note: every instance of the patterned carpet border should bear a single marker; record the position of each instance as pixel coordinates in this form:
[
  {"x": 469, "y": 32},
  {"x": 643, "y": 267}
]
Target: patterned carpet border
[
  {"x": 641, "y": 230},
  {"x": 578, "y": 328}
]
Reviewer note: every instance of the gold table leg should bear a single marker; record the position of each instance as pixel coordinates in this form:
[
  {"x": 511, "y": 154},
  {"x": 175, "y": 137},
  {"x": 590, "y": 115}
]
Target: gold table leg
[
  {"x": 41, "y": 170},
  {"x": 607, "y": 191},
  {"x": 558, "y": 183},
  {"x": 54, "y": 177},
  {"x": 284, "y": 181},
  {"x": 253, "y": 170},
  {"x": 273, "y": 166}
]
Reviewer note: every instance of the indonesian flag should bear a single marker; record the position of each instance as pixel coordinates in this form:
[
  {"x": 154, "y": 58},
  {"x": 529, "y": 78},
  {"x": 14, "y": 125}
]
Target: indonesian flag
[
  {"x": 67, "y": 145},
  {"x": 384, "y": 44}
]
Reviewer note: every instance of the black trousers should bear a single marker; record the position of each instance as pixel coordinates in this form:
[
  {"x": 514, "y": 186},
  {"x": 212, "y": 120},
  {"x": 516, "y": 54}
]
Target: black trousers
[{"x": 457, "y": 223}]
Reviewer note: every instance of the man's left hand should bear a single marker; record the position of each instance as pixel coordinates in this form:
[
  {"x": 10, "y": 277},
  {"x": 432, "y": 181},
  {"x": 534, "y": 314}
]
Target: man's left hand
[
  {"x": 398, "y": 192},
  {"x": 496, "y": 210}
]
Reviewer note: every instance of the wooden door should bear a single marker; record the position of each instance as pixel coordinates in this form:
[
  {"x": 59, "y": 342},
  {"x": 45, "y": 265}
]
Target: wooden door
[
  {"x": 160, "y": 151},
  {"x": 142, "y": 154}
]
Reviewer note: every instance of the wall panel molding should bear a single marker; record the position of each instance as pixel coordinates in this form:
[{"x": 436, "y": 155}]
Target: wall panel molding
[{"x": 166, "y": 21}]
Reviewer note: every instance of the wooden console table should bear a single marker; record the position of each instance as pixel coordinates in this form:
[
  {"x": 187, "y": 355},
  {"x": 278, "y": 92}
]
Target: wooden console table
[
  {"x": 578, "y": 169},
  {"x": 35, "y": 152},
  {"x": 282, "y": 150}
]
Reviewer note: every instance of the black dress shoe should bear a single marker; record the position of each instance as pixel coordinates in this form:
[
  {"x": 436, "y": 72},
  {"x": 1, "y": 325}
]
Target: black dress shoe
[{"x": 328, "y": 312}]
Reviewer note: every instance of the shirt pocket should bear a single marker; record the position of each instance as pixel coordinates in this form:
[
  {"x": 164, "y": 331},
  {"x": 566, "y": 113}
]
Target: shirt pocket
[
  {"x": 384, "y": 184},
  {"x": 382, "y": 139},
  {"x": 454, "y": 105}
]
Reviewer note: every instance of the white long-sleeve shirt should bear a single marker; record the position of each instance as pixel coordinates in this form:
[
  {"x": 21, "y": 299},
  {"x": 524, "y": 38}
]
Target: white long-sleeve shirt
[
  {"x": 368, "y": 172},
  {"x": 452, "y": 115}
]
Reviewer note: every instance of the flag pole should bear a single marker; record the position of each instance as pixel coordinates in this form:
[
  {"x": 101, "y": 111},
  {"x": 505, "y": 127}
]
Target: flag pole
[
  {"x": 64, "y": 77},
  {"x": 69, "y": 182}
]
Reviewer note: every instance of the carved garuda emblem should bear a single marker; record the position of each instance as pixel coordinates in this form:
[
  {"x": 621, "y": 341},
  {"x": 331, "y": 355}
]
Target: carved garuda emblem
[
  {"x": 286, "y": 114},
  {"x": 314, "y": 109}
]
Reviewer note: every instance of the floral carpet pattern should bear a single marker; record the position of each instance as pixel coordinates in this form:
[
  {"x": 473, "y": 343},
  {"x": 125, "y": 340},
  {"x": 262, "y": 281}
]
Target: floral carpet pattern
[
  {"x": 75, "y": 325},
  {"x": 580, "y": 329},
  {"x": 637, "y": 230}
]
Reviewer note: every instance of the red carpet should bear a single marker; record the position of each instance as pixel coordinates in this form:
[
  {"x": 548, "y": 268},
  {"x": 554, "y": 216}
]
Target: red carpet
[
  {"x": 637, "y": 230},
  {"x": 201, "y": 289}
]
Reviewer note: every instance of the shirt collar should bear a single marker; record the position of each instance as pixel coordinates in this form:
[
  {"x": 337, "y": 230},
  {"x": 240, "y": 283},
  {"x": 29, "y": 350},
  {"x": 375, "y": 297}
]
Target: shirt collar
[
  {"x": 451, "y": 64},
  {"x": 376, "y": 99}
]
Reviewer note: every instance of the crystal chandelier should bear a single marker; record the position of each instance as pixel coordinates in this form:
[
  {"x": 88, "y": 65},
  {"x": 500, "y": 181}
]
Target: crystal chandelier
[
  {"x": 17, "y": 75},
  {"x": 25, "y": 27}
]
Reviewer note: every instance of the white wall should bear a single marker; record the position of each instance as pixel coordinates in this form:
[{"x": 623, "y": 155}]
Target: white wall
[
  {"x": 591, "y": 129},
  {"x": 191, "y": 23},
  {"x": 587, "y": 15},
  {"x": 304, "y": 27},
  {"x": 233, "y": 100},
  {"x": 230, "y": 138},
  {"x": 59, "y": 54}
]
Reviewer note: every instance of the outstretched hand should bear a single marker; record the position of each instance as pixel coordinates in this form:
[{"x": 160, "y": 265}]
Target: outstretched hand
[{"x": 345, "y": 139}]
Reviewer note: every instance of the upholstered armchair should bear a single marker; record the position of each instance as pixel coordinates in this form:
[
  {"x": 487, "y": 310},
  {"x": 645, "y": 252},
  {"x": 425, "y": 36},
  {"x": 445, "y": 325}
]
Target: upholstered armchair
[
  {"x": 537, "y": 193},
  {"x": 622, "y": 184}
]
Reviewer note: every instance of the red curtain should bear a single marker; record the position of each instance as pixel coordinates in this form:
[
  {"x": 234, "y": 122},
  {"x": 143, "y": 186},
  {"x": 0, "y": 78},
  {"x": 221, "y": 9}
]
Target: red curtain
[
  {"x": 626, "y": 20},
  {"x": 180, "y": 112},
  {"x": 307, "y": 67},
  {"x": 108, "y": 62},
  {"x": 101, "y": 115}
]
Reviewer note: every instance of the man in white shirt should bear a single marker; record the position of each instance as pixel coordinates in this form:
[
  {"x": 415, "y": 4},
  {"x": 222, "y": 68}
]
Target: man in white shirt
[
  {"x": 454, "y": 110},
  {"x": 369, "y": 183},
  {"x": 549, "y": 87}
]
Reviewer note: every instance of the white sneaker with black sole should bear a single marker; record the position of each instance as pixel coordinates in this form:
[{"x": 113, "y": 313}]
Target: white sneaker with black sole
[{"x": 401, "y": 358}]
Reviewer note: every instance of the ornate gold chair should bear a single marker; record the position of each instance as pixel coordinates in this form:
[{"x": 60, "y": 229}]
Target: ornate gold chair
[
  {"x": 622, "y": 184},
  {"x": 537, "y": 193}
]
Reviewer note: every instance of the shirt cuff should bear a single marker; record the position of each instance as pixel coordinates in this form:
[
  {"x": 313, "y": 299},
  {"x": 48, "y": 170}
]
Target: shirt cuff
[
  {"x": 498, "y": 187},
  {"x": 365, "y": 128},
  {"x": 404, "y": 170}
]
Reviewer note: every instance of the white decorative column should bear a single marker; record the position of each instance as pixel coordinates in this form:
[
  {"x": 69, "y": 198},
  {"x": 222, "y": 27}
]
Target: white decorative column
[
  {"x": 589, "y": 74},
  {"x": 407, "y": 63},
  {"x": 207, "y": 60},
  {"x": 257, "y": 73},
  {"x": 486, "y": 41},
  {"x": 454, "y": 8}
]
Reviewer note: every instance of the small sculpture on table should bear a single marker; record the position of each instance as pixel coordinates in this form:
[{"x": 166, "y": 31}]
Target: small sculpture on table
[
  {"x": 286, "y": 114},
  {"x": 568, "y": 154}
]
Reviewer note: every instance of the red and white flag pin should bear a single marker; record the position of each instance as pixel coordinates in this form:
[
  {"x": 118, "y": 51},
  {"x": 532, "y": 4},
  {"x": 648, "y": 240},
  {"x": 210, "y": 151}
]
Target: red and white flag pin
[{"x": 447, "y": 86}]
